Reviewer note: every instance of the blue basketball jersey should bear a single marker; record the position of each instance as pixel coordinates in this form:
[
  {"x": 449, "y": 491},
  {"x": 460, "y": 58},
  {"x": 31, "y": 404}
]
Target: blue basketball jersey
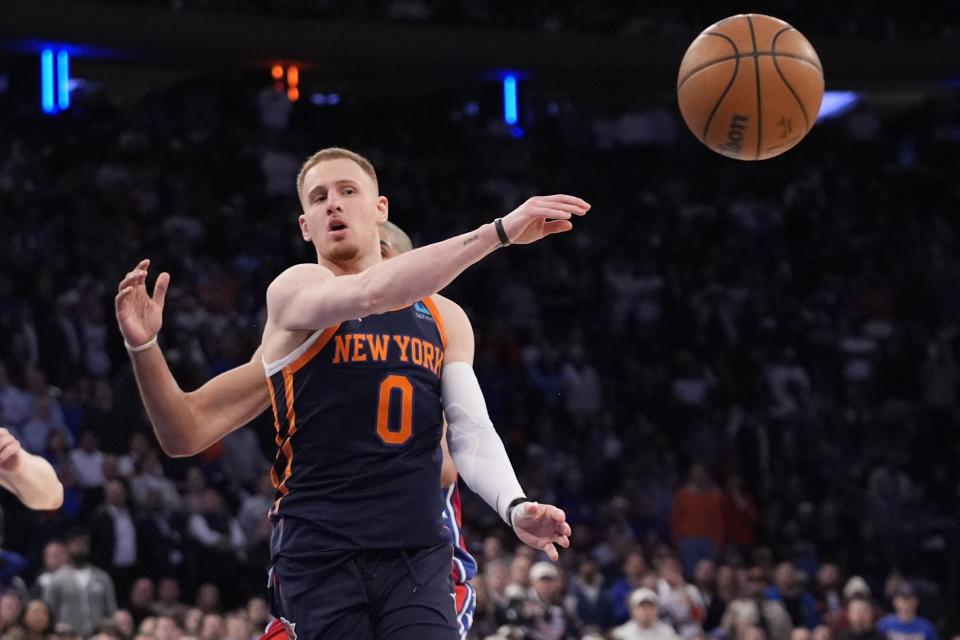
[{"x": 358, "y": 418}]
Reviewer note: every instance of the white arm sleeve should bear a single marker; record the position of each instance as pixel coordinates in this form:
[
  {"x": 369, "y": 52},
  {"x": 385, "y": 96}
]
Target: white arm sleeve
[{"x": 474, "y": 444}]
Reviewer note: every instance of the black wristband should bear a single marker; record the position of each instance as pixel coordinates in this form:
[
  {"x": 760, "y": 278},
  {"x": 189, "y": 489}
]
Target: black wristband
[
  {"x": 516, "y": 502},
  {"x": 504, "y": 240}
]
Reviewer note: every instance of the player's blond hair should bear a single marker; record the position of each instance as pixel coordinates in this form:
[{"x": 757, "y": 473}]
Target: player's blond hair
[{"x": 333, "y": 153}]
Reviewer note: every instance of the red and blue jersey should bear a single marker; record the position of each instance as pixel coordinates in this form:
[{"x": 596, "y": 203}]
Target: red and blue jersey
[{"x": 358, "y": 417}]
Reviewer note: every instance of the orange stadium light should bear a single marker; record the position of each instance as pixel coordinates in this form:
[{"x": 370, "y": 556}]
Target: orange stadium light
[
  {"x": 277, "y": 72},
  {"x": 293, "y": 94},
  {"x": 293, "y": 76}
]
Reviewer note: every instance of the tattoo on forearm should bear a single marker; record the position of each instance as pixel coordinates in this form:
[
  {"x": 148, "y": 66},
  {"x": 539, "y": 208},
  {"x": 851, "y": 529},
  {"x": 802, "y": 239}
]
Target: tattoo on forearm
[{"x": 472, "y": 238}]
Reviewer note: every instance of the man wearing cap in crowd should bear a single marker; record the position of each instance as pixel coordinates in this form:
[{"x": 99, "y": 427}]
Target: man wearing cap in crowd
[
  {"x": 905, "y": 624},
  {"x": 541, "y": 611},
  {"x": 644, "y": 623}
]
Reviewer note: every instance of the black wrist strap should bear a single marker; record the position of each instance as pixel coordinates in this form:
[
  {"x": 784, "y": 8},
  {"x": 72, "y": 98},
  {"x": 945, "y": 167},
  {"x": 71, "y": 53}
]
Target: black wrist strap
[
  {"x": 515, "y": 503},
  {"x": 504, "y": 240}
]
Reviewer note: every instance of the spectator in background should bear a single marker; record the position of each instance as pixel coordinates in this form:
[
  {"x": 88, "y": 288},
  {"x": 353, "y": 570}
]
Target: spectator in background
[
  {"x": 788, "y": 588},
  {"x": 123, "y": 622},
  {"x": 696, "y": 523},
  {"x": 166, "y": 628},
  {"x": 114, "y": 537},
  {"x": 160, "y": 537},
  {"x": 860, "y": 621},
  {"x": 36, "y": 430},
  {"x": 140, "y": 604},
  {"x": 828, "y": 594},
  {"x": 680, "y": 603},
  {"x": 16, "y": 405},
  {"x": 54, "y": 557},
  {"x": 212, "y": 627},
  {"x": 168, "y": 599},
  {"x": 644, "y": 624},
  {"x": 752, "y": 611},
  {"x": 255, "y": 506},
  {"x": 243, "y": 463},
  {"x": 35, "y": 623},
  {"x": 80, "y": 594},
  {"x": 740, "y": 515},
  {"x": 11, "y": 609},
  {"x": 634, "y": 568},
  {"x": 593, "y": 604},
  {"x": 88, "y": 461},
  {"x": 904, "y": 624},
  {"x": 541, "y": 609}
]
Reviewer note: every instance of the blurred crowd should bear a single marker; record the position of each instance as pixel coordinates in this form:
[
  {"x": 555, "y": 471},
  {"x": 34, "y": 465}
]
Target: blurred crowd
[
  {"x": 868, "y": 18},
  {"x": 739, "y": 381}
]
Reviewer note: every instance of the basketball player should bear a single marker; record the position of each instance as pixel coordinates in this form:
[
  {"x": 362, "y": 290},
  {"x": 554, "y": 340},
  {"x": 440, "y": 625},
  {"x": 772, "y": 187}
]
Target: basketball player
[
  {"x": 234, "y": 387},
  {"x": 362, "y": 364},
  {"x": 27, "y": 476}
]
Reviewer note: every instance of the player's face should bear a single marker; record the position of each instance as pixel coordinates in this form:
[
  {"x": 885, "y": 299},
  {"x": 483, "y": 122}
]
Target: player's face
[{"x": 341, "y": 210}]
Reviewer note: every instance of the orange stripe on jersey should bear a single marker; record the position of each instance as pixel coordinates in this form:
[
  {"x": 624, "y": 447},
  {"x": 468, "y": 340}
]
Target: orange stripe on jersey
[
  {"x": 437, "y": 318},
  {"x": 276, "y": 414},
  {"x": 287, "y": 446},
  {"x": 314, "y": 349},
  {"x": 288, "y": 393}
]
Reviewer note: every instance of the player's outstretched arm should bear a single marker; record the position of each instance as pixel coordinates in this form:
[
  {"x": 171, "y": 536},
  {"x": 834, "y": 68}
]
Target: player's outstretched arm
[
  {"x": 185, "y": 423},
  {"x": 27, "y": 476},
  {"x": 477, "y": 449},
  {"x": 307, "y": 296}
]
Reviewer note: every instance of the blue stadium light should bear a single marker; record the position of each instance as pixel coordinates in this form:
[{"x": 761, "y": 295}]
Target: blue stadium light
[
  {"x": 63, "y": 80},
  {"x": 510, "y": 99},
  {"x": 46, "y": 82},
  {"x": 837, "y": 103}
]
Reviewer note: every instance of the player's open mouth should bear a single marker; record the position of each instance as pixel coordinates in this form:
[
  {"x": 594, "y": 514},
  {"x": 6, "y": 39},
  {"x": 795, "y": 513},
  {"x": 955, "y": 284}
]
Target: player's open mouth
[{"x": 336, "y": 225}]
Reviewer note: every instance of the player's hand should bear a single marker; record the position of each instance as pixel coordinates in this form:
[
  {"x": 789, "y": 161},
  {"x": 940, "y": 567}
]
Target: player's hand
[
  {"x": 10, "y": 451},
  {"x": 541, "y": 526},
  {"x": 139, "y": 315},
  {"x": 541, "y": 216}
]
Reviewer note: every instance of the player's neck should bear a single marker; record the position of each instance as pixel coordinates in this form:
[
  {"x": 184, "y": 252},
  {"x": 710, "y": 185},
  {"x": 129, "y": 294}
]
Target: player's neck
[{"x": 354, "y": 265}]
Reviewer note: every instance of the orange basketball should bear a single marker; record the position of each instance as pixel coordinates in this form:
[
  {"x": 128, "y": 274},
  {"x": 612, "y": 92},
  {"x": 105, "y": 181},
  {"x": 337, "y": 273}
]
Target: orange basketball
[{"x": 750, "y": 87}]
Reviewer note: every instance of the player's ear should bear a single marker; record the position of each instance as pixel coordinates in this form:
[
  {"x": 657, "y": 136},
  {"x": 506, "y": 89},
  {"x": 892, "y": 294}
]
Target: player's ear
[
  {"x": 383, "y": 209},
  {"x": 303, "y": 227}
]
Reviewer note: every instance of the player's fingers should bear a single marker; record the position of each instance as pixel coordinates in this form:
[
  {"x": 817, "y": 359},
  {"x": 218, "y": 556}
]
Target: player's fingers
[
  {"x": 8, "y": 449},
  {"x": 551, "y": 552},
  {"x": 574, "y": 204},
  {"x": 134, "y": 277},
  {"x": 123, "y": 292},
  {"x": 557, "y": 226},
  {"x": 563, "y": 541},
  {"x": 160, "y": 288},
  {"x": 551, "y": 213},
  {"x": 565, "y": 529}
]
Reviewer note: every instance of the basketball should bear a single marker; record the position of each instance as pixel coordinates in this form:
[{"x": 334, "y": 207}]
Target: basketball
[{"x": 750, "y": 87}]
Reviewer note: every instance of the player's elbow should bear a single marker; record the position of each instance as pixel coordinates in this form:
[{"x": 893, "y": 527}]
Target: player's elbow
[
  {"x": 51, "y": 498},
  {"x": 176, "y": 447}
]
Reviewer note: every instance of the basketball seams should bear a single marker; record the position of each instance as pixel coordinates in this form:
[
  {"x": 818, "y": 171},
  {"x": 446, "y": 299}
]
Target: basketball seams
[
  {"x": 726, "y": 90},
  {"x": 707, "y": 65},
  {"x": 736, "y": 54},
  {"x": 776, "y": 66},
  {"x": 756, "y": 70}
]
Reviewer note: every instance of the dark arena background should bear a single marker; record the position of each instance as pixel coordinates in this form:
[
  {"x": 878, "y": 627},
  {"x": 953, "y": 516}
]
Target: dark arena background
[{"x": 738, "y": 379}]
